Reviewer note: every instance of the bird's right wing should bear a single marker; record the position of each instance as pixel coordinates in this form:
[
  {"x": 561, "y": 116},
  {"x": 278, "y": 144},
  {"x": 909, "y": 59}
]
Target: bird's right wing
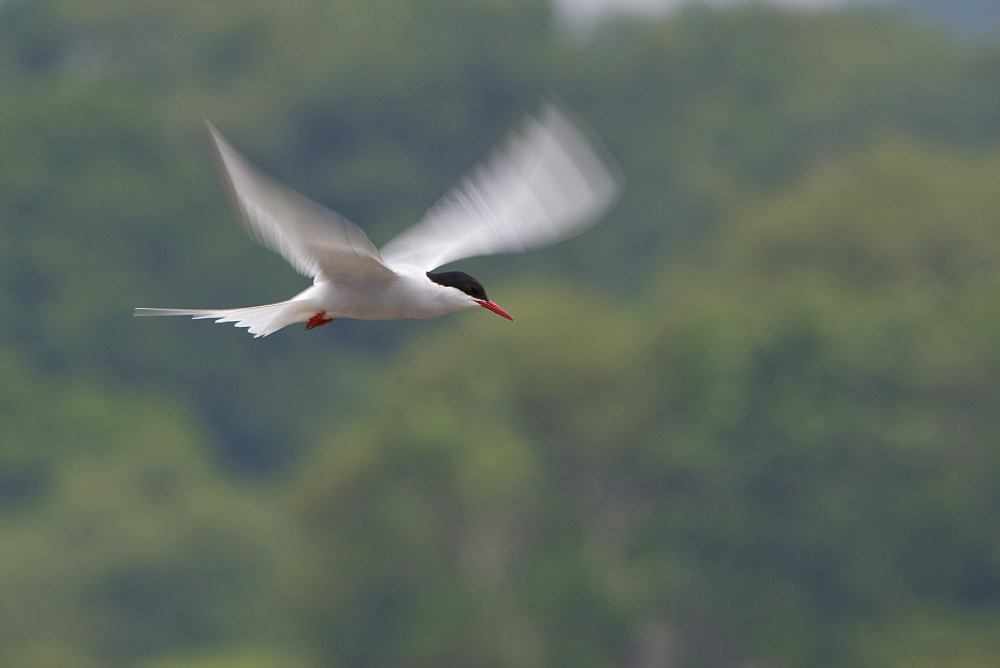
[
  {"x": 548, "y": 182},
  {"x": 318, "y": 242}
]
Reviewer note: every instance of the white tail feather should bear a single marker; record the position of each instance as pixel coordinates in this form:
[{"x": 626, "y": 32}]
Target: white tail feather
[{"x": 259, "y": 320}]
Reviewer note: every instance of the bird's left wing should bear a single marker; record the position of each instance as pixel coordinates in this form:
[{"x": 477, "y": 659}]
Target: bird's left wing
[
  {"x": 318, "y": 242},
  {"x": 548, "y": 182}
]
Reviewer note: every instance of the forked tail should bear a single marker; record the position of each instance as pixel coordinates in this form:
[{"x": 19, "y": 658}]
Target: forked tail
[{"x": 259, "y": 320}]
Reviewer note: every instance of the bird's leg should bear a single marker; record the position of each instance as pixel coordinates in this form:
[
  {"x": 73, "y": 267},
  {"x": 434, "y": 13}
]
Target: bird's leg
[{"x": 318, "y": 320}]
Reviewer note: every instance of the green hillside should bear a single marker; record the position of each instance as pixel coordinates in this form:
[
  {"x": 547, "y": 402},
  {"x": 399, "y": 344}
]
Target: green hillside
[{"x": 750, "y": 419}]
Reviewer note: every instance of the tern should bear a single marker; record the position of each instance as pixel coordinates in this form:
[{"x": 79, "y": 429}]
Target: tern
[{"x": 547, "y": 182}]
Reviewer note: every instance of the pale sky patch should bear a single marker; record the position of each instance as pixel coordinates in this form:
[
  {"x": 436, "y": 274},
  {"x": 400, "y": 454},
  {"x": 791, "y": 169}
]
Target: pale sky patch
[{"x": 585, "y": 11}]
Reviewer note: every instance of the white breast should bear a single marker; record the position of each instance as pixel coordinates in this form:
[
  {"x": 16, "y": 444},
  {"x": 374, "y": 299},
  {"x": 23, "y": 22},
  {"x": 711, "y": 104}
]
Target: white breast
[{"x": 399, "y": 296}]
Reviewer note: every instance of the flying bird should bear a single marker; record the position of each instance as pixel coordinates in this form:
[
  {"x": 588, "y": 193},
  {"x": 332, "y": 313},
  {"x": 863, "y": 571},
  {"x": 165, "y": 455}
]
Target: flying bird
[{"x": 545, "y": 183}]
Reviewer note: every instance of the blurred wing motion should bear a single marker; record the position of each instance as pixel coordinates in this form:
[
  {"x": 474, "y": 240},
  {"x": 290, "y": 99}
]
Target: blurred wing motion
[
  {"x": 547, "y": 182},
  {"x": 318, "y": 242}
]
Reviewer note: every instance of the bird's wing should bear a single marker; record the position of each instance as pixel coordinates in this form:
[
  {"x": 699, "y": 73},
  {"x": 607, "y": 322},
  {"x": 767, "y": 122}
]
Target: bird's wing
[
  {"x": 318, "y": 242},
  {"x": 546, "y": 183}
]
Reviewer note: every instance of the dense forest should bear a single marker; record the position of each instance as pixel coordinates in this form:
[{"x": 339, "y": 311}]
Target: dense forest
[{"x": 750, "y": 419}]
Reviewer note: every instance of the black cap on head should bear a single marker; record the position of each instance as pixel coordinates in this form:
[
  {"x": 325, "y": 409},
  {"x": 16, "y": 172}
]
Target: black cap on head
[{"x": 460, "y": 281}]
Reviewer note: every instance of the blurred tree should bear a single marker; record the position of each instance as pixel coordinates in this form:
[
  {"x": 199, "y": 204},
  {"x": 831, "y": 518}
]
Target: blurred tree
[
  {"x": 130, "y": 544},
  {"x": 755, "y": 464},
  {"x": 704, "y": 109},
  {"x": 779, "y": 450}
]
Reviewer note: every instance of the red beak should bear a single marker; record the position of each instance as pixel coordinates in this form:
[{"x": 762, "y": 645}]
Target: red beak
[{"x": 495, "y": 308}]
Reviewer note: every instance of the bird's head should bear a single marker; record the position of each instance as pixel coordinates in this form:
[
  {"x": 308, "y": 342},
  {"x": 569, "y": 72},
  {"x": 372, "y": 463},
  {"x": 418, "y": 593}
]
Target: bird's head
[{"x": 472, "y": 288}]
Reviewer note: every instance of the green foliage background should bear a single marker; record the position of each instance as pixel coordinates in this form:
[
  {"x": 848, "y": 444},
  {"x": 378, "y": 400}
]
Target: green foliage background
[{"x": 751, "y": 419}]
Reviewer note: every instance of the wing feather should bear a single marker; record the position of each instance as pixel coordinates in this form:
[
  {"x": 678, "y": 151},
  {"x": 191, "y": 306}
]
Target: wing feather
[
  {"x": 546, "y": 183},
  {"x": 316, "y": 241}
]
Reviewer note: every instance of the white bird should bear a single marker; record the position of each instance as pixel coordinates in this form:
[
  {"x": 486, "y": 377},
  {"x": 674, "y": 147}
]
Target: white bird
[{"x": 546, "y": 183}]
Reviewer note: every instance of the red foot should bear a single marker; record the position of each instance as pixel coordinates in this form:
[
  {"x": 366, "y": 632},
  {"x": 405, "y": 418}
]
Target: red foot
[{"x": 318, "y": 320}]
